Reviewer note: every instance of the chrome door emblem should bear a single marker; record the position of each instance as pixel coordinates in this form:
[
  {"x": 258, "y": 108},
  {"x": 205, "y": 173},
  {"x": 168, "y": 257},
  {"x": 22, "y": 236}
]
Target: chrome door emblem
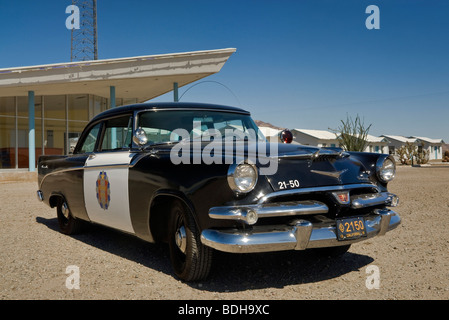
[{"x": 103, "y": 189}]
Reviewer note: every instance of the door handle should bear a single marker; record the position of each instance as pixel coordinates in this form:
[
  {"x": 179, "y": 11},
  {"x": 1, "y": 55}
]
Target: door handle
[{"x": 92, "y": 156}]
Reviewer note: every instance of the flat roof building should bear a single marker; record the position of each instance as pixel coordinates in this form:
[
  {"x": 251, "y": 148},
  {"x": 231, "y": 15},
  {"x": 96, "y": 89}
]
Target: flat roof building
[
  {"x": 319, "y": 138},
  {"x": 433, "y": 147},
  {"x": 43, "y": 109}
]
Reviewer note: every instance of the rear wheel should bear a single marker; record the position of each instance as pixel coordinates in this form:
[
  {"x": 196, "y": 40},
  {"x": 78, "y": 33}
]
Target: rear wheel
[
  {"x": 67, "y": 223},
  {"x": 191, "y": 260}
]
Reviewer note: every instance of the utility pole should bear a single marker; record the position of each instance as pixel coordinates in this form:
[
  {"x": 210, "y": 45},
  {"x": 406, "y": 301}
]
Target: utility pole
[{"x": 84, "y": 42}]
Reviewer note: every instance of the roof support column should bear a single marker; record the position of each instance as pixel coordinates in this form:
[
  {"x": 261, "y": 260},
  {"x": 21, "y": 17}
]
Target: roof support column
[
  {"x": 16, "y": 125},
  {"x": 31, "y": 133},
  {"x": 175, "y": 92},
  {"x": 67, "y": 140},
  {"x": 113, "y": 104}
]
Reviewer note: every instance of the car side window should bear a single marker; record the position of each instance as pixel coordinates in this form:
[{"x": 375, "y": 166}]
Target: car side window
[
  {"x": 90, "y": 140},
  {"x": 117, "y": 134}
]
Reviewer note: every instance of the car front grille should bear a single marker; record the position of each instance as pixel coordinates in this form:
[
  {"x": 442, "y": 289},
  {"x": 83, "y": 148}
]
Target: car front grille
[{"x": 326, "y": 196}]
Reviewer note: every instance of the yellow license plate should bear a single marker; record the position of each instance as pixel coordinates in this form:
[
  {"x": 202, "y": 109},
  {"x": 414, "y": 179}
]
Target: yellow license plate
[{"x": 351, "y": 228}]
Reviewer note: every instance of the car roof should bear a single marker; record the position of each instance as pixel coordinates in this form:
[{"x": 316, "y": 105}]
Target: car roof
[{"x": 166, "y": 105}]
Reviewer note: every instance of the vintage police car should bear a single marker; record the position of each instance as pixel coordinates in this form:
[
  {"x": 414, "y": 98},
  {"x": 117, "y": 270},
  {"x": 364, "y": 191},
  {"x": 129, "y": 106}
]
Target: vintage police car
[{"x": 202, "y": 178}]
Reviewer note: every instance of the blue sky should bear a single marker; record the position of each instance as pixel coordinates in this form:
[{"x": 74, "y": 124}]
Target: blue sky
[{"x": 299, "y": 64}]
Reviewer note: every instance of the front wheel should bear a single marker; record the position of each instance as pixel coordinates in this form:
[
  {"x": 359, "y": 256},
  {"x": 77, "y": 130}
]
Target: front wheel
[{"x": 191, "y": 260}]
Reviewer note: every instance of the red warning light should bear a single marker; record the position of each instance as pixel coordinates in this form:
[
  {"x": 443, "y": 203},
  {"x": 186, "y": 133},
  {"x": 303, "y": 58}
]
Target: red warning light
[{"x": 286, "y": 136}]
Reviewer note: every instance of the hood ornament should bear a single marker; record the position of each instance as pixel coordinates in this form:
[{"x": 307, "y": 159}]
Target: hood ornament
[{"x": 334, "y": 174}]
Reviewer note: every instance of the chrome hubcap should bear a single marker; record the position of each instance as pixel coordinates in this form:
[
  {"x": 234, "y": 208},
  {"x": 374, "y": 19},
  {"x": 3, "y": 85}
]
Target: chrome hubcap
[
  {"x": 180, "y": 239},
  {"x": 65, "y": 210}
]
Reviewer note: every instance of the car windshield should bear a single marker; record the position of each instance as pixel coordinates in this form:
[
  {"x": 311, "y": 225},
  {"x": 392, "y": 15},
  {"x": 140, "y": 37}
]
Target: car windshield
[{"x": 179, "y": 125}]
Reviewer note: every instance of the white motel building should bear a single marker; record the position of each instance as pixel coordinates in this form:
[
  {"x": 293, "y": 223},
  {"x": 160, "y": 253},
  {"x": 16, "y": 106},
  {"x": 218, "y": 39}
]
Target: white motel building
[{"x": 43, "y": 109}]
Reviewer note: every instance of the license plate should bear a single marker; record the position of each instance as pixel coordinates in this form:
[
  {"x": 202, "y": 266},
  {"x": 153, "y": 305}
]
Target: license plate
[{"x": 351, "y": 228}]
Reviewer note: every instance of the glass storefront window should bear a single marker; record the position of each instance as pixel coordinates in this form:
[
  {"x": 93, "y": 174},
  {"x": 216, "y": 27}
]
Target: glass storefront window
[
  {"x": 55, "y": 107},
  {"x": 7, "y": 106},
  {"x": 97, "y": 105},
  {"x": 7, "y": 142},
  {"x": 54, "y": 137},
  {"x": 78, "y": 107},
  {"x": 59, "y": 122}
]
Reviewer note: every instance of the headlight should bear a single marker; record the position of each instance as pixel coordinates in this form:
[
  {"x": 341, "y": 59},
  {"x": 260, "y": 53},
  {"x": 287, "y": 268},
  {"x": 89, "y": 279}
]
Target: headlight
[
  {"x": 242, "y": 178},
  {"x": 386, "y": 169}
]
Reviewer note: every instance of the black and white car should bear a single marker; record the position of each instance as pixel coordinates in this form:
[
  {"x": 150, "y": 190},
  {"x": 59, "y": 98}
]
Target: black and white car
[{"x": 186, "y": 174}]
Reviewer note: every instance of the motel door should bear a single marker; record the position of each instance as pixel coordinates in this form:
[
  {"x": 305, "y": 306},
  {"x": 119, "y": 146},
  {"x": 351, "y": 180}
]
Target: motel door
[{"x": 106, "y": 177}]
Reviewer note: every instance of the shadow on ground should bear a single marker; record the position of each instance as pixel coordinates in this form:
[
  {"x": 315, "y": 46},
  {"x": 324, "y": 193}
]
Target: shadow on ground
[{"x": 230, "y": 272}]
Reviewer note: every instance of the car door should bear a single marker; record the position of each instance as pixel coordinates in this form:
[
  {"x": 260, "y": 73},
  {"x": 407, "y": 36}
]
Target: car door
[{"x": 106, "y": 175}]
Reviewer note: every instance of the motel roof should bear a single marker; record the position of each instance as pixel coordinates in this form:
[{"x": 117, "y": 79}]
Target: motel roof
[
  {"x": 318, "y": 134},
  {"x": 142, "y": 77},
  {"x": 413, "y": 139}
]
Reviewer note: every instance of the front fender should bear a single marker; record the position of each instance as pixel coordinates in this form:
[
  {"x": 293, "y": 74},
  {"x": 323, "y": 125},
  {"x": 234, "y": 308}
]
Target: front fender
[{"x": 371, "y": 162}]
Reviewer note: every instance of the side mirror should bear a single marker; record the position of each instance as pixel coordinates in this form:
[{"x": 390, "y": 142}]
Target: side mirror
[
  {"x": 286, "y": 136},
  {"x": 140, "y": 137}
]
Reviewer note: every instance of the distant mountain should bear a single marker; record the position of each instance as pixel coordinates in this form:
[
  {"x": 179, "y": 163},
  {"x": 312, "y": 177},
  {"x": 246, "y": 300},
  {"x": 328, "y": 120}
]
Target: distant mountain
[{"x": 266, "y": 124}]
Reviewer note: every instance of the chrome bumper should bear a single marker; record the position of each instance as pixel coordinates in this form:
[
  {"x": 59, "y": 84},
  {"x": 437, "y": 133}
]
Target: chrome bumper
[{"x": 300, "y": 235}]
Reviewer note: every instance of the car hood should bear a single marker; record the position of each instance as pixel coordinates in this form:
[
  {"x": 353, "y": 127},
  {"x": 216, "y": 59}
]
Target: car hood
[
  {"x": 314, "y": 167},
  {"x": 287, "y": 166}
]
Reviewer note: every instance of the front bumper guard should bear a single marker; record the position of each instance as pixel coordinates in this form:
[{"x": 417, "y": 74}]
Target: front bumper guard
[{"x": 300, "y": 235}]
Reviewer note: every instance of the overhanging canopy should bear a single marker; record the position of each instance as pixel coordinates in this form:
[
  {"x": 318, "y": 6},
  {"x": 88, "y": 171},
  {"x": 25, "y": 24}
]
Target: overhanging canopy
[{"x": 143, "y": 77}]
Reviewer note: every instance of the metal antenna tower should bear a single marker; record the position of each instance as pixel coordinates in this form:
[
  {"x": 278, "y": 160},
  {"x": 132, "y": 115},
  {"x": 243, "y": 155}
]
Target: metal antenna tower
[{"x": 84, "y": 44}]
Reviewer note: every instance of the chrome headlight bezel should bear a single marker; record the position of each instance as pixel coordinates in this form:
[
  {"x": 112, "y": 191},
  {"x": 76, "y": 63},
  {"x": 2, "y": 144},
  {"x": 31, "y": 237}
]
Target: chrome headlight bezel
[
  {"x": 234, "y": 172},
  {"x": 386, "y": 168}
]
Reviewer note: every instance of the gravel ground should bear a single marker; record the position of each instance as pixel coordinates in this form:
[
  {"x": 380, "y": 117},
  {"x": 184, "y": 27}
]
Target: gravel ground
[{"x": 412, "y": 261}]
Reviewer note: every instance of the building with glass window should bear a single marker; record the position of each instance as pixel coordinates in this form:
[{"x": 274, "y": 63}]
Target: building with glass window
[{"x": 43, "y": 109}]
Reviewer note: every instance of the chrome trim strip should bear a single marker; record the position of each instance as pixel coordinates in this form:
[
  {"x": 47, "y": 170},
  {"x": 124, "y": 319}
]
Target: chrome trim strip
[
  {"x": 111, "y": 166},
  {"x": 108, "y": 166},
  {"x": 156, "y": 109},
  {"x": 299, "y": 236},
  {"x": 315, "y": 155},
  {"x": 294, "y": 156},
  {"x": 292, "y": 208},
  {"x": 316, "y": 189},
  {"x": 269, "y": 210}
]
